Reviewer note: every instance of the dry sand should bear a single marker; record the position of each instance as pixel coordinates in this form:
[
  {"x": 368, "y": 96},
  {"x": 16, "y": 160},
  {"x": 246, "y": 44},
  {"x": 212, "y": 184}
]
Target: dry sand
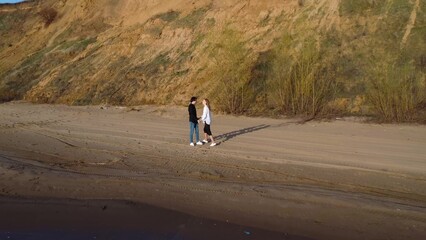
[{"x": 323, "y": 180}]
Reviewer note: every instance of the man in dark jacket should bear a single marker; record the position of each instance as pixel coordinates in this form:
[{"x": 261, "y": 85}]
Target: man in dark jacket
[{"x": 193, "y": 122}]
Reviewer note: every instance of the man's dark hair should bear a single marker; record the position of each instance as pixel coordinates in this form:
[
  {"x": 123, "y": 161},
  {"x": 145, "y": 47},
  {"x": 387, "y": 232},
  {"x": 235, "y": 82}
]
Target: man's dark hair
[{"x": 193, "y": 99}]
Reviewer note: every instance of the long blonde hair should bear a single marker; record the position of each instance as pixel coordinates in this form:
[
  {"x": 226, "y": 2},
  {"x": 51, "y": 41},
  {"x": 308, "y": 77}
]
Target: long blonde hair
[{"x": 208, "y": 103}]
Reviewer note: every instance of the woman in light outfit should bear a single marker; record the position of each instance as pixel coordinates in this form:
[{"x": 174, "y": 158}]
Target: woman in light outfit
[{"x": 207, "y": 120}]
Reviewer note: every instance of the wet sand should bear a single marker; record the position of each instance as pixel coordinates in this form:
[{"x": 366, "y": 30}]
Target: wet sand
[
  {"x": 321, "y": 180},
  {"x": 100, "y": 219}
]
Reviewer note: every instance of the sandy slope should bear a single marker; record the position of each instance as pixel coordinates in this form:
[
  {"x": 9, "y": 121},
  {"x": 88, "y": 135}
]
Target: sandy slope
[{"x": 328, "y": 180}]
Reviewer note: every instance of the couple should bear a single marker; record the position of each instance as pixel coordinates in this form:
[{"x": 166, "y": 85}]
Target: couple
[{"x": 194, "y": 120}]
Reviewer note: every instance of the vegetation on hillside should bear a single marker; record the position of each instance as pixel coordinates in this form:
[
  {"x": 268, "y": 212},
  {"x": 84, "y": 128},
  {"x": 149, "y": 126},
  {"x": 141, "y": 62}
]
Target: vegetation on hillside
[
  {"x": 396, "y": 92},
  {"x": 302, "y": 82},
  {"x": 316, "y": 58},
  {"x": 232, "y": 63}
]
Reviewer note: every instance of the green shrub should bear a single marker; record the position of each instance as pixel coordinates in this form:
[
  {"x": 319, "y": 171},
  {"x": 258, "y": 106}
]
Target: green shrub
[
  {"x": 231, "y": 72},
  {"x": 396, "y": 92},
  {"x": 300, "y": 84}
]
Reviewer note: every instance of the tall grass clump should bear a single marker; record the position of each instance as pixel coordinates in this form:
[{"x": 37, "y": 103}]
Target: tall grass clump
[
  {"x": 231, "y": 71},
  {"x": 396, "y": 92},
  {"x": 300, "y": 84}
]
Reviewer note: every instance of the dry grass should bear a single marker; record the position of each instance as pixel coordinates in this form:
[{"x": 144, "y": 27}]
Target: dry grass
[
  {"x": 231, "y": 71},
  {"x": 396, "y": 92},
  {"x": 302, "y": 84}
]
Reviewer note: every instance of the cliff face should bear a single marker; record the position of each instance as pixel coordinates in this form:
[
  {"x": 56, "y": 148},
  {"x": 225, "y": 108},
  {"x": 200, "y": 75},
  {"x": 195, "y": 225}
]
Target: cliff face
[{"x": 156, "y": 51}]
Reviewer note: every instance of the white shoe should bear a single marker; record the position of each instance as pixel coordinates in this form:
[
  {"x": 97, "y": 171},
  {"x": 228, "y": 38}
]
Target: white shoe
[
  {"x": 191, "y": 144},
  {"x": 205, "y": 141},
  {"x": 199, "y": 143},
  {"x": 213, "y": 144}
]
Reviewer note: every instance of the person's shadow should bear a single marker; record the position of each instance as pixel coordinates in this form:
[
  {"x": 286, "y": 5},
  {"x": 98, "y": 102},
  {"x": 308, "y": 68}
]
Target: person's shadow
[{"x": 227, "y": 136}]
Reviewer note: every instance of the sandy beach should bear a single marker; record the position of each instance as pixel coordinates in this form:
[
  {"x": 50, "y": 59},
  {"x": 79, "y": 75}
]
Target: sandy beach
[{"x": 341, "y": 179}]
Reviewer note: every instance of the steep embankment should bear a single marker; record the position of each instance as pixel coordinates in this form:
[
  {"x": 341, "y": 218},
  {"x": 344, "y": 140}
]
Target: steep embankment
[{"x": 135, "y": 52}]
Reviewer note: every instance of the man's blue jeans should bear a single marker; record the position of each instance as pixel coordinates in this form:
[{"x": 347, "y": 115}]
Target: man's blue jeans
[{"x": 193, "y": 127}]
